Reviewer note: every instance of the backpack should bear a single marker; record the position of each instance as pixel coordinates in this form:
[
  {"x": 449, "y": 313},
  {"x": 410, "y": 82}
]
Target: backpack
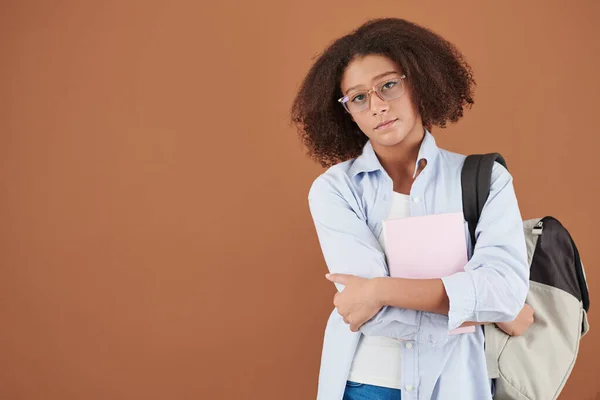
[{"x": 537, "y": 364}]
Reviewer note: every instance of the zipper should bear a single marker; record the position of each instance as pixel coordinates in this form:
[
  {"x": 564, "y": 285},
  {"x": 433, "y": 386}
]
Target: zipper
[{"x": 538, "y": 228}]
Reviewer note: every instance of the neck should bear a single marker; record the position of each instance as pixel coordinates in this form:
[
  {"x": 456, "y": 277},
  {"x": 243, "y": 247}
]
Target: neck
[{"x": 399, "y": 160}]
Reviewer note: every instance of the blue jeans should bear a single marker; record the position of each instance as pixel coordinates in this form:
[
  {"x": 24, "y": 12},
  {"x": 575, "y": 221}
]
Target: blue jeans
[{"x": 362, "y": 391}]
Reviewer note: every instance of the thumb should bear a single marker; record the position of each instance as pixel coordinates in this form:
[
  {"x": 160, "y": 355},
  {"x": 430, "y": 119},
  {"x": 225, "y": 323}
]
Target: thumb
[{"x": 338, "y": 278}]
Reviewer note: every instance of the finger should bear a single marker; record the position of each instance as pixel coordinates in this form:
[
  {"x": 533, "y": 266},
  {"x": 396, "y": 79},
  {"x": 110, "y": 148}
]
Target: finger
[
  {"x": 529, "y": 308},
  {"x": 338, "y": 278}
]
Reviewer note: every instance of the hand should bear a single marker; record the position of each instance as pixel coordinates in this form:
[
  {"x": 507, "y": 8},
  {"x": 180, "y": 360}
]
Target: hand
[
  {"x": 358, "y": 302},
  {"x": 520, "y": 324}
]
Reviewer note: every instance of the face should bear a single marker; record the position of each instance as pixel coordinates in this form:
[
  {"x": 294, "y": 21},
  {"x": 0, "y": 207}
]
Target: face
[{"x": 362, "y": 74}]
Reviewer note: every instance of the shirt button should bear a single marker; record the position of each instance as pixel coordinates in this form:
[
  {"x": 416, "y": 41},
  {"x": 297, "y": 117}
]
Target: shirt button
[
  {"x": 409, "y": 388},
  {"x": 416, "y": 199},
  {"x": 409, "y": 346}
]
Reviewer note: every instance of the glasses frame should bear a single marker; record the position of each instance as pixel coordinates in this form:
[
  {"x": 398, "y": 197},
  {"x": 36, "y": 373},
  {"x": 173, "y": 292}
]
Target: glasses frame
[{"x": 375, "y": 90}]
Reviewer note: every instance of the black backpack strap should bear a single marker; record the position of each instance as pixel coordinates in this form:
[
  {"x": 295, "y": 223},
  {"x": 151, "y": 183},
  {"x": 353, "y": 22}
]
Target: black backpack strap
[
  {"x": 475, "y": 180},
  {"x": 476, "y": 177}
]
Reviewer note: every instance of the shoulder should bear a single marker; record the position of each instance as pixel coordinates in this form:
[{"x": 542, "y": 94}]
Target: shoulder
[
  {"x": 334, "y": 181},
  {"x": 451, "y": 160}
]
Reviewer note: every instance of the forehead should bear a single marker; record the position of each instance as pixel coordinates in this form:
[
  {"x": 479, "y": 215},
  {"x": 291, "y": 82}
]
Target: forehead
[{"x": 363, "y": 71}]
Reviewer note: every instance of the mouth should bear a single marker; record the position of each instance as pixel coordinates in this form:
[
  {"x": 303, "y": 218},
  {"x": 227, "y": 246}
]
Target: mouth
[{"x": 386, "y": 124}]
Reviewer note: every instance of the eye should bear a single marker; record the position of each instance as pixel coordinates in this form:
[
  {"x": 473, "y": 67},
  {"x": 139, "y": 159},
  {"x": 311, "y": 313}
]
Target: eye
[
  {"x": 358, "y": 98},
  {"x": 389, "y": 84}
]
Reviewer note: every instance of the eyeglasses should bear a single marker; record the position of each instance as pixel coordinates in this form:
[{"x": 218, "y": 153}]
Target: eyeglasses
[{"x": 388, "y": 90}]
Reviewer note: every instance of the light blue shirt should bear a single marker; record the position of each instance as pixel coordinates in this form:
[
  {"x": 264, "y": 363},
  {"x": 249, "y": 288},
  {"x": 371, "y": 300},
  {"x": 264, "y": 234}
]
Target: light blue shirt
[{"x": 348, "y": 203}]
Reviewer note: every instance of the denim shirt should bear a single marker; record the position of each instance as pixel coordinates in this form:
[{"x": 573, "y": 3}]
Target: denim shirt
[{"x": 348, "y": 203}]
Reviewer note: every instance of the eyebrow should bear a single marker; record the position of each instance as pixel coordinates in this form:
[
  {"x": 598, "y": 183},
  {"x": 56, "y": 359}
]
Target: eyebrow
[{"x": 374, "y": 78}]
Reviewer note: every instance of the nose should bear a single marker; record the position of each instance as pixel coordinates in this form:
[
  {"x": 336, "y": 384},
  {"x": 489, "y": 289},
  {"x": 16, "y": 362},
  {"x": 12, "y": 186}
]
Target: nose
[{"x": 378, "y": 106}]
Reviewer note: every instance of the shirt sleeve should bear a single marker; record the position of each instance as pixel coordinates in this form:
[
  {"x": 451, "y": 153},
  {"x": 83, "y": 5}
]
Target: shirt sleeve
[
  {"x": 495, "y": 282},
  {"x": 350, "y": 247}
]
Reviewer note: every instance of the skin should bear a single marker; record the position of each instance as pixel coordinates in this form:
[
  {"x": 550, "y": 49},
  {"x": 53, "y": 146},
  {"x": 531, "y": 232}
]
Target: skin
[{"x": 397, "y": 147}]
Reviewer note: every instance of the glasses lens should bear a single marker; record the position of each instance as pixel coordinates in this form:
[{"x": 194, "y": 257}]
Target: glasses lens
[
  {"x": 391, "y": 89},
  {"x": 357, "y": 102}
]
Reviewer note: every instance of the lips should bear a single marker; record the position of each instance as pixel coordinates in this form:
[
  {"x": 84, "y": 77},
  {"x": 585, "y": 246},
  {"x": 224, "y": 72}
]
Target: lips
[{"x": 385, "y": 124}]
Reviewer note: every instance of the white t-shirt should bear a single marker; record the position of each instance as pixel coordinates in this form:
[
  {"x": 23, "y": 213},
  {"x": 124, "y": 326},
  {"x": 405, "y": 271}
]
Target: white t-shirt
[{"x": 377, "y": 360}]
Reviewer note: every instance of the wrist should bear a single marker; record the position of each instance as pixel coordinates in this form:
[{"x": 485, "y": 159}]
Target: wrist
[{"x": 379, "y": 291}]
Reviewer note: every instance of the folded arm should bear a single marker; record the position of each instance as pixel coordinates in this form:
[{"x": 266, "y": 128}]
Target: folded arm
[{"x": 492, "y": 288}]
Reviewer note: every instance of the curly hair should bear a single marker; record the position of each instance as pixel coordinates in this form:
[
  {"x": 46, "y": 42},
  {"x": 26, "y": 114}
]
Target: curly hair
[{"x": 440, "y": 80}]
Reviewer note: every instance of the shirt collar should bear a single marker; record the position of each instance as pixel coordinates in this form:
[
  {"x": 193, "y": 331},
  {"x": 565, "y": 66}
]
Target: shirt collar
[{"x": 368, "y": 160}]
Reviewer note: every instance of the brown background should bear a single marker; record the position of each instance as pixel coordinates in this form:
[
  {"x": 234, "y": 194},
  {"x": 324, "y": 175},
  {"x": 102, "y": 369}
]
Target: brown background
[{"x": 155, "y": 239}]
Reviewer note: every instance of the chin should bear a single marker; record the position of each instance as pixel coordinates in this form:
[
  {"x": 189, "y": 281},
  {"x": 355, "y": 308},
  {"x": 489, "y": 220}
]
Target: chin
[{"x": 391, "y": 138}]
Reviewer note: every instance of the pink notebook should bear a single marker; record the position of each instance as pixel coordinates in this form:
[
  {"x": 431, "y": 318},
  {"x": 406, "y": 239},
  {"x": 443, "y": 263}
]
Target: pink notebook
[{"x": 432, "y": 246}]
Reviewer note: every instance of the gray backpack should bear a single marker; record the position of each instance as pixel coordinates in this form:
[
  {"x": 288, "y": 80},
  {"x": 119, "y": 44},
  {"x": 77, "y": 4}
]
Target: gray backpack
[{"x": 536, "y": 365}]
